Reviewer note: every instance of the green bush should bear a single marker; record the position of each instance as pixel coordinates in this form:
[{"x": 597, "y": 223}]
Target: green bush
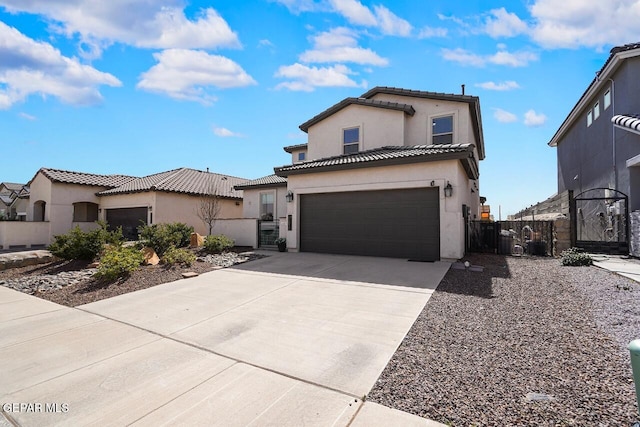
[
  {"x": 218, "y": 243},
  {"x": 575, "y": 257},
  {"x": 178, "y": 256},
  {"x": 163, "y": 236},
  {"x": 77, "y": 244},
  {"x": 118, "y": 261}
]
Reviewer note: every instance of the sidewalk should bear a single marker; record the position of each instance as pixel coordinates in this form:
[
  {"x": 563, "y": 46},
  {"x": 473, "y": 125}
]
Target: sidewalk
[{"x": 620, "y": 264}]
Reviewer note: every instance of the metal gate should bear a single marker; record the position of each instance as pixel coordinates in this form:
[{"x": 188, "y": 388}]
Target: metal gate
[{"x": 600, "y": 221}]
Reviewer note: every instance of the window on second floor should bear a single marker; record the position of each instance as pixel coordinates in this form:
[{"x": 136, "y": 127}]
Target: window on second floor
[
  {"x": 267, "y": 206},
  {"x": 442, "y": 130},
  {"x": 351, "y": 140},
  {"x": 607, "y": 99},
  {"x": 302, "y": 156},
  {"x": 596, "y": 110},
  {"x": 589, "y": 117}
]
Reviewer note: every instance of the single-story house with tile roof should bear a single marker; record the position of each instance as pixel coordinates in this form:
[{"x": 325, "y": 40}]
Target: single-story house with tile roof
[
  {"x": 392, "y": 173},
  {"x": 59, "y": 200},
  {"x": 171, "y": 196}
]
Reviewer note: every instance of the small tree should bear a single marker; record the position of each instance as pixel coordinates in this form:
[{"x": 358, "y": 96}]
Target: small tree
[{"x": 209, "y": 206}]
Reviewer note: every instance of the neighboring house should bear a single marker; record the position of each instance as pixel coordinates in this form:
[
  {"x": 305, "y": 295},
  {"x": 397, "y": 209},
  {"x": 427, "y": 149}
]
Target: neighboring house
[
  {"x": 598, "y": 147},
  {"x": 59, "y": 200},
  {"x": 172, "y": 196},
  {"x": 13, "y": 201},
  {"x": 264, "y": 199},
  {"x": 392, "y": 173}
]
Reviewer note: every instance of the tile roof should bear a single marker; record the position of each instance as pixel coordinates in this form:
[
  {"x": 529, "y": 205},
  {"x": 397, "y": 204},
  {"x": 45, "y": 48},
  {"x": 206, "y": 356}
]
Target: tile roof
[
  {"x": 12, "y": 186},
  {"x": 631, "y": 122},
  {"x": 81, "y": 178},
  {"x": 7, "y": 200},
  {"x": 389, "y": 90},
  {"x": 266, "y": 181},
  {"x": 408, "y": 109},
  {"x": 291, "y": 148},
  {"x": 182, "y": 180},
  {"x": 385, "y": 156}
]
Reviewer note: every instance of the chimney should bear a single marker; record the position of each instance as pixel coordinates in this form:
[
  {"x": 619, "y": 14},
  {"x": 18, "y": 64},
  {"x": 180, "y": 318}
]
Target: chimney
[
  {"x": 207, "y": 170},
  {"x": 462, "y": 89}
]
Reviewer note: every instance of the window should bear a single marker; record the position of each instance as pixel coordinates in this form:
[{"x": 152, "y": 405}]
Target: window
[
  {"x": 302, "y": 156},
  {"x": 442, "y": 130},
  {"x": 85, "y": 212},
  {"x": 266, "y": 206},
  {"x": 596, "y": 111},
  {"x": 351, "y": 140},
  {"x": 589, "y": 117},
  {"x": 607, "y": 99}
]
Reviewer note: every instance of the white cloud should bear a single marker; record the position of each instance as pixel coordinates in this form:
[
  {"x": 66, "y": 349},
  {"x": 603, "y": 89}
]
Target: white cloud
[
  {"x": 390, "y": 24},
  {"x": 226, "y": 133},
  {"x": 504, "y": 24},
  {"x": 265, "y": 43},
  {"x": 355, "y": 12},
  {"x": 27, "y": 116},
  {"x": 144, "y": 23},
  {"x": 504, "y": 116},
  {"x": 502, "y": 86},
  {"x": 501, "y": 57},
  {"x": 31, "y": 67},
  {"x": 575, "y": 23},
  {"x": 186, "y": 74},
  {"x": 304, "y": 78},
  {"x": 298, "y": 6},
  {"x": 431, "y": 32},
  {"x": 533, "y": 119},
  {"x": 340, "y": 45}
]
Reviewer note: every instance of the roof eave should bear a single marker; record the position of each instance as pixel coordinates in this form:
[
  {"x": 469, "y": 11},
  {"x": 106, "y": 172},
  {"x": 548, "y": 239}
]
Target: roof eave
[
  {"x": 595, "y": 86},
  {"x": 265, "y": 185},
  {"x": 377, "y": 163}
]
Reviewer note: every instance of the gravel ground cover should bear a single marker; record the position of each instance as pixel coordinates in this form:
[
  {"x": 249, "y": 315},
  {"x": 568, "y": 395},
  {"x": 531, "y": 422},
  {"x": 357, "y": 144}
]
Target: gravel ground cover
[
  {"x": 525, "y": 342},
  {"x": 71, "y": 283}
]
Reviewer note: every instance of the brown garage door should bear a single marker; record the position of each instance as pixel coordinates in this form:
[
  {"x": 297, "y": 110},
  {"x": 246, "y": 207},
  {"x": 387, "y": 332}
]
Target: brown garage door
[
  {"x": 127, "y": 218},
  {"x": 389, "y": 223}
]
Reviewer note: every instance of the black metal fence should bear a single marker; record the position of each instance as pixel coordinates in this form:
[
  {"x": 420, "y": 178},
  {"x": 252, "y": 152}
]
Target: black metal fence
[{"x": 512, "y": 237}]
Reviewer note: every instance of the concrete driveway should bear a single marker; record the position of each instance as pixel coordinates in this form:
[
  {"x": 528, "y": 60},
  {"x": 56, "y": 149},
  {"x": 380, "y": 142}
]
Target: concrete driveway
[{"x": 291, "y": 339}]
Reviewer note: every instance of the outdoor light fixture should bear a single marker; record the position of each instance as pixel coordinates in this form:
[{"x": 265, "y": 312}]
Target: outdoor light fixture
[
  {"x": 289, "y": 196},
  {"x": 448, "y": 190}
]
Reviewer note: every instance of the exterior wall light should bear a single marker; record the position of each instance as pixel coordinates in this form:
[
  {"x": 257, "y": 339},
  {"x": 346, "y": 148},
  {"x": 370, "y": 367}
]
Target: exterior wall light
[
  {"x": 289, "y": 196},
  {"x": 448, "y": 190}
]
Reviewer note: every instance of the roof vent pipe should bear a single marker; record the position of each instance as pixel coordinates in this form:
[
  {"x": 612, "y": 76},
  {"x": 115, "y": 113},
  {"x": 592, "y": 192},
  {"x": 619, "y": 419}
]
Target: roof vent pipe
[
  {"x": 207, "y": 170},
  {"x": 462, "y": 89}
]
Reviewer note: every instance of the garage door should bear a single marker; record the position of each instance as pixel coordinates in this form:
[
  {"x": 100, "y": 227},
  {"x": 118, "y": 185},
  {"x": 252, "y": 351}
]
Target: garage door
[
  {"x": 389, "y": 223},
  {"x": 127, "y": 218}
]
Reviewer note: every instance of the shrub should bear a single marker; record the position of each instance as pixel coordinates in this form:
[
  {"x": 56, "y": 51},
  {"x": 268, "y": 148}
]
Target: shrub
[
  {"x": 178, "y": 256},
  {"x": 218, "y": 243},
  {"x": 77, "y": 244},
  {"x": 575, "y": 257},
  {"x": 118, "y": 261},
  {"x": 163, "y": 236}
]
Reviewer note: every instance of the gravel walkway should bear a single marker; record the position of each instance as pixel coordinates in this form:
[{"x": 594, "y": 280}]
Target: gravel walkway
[{"x": 526, "y": 342}]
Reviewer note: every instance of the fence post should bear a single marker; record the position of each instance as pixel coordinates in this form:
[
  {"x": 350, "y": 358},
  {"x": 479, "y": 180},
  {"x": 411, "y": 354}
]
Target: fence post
[{"x": 634, "y": 349}]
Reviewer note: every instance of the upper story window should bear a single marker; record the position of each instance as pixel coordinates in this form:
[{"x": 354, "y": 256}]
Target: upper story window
[
  {"x": 589, "y": 117},
  {"x": 607, "y": 99},
  {"x": 351, "y": 140},
  {"x": 267, "y": 206},
  {"x": 302, "y": 156},
  {"x": 442, "y": 130},
  {"x": 596, "y": 110}
]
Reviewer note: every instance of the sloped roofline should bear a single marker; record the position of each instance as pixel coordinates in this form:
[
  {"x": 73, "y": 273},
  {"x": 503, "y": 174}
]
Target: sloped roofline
[
  {"x": 290, "y": 148},
  {"x": 46, "y": 172},
  {"x": 616, "y": 57},
  {"x": 408, "y": 109}
]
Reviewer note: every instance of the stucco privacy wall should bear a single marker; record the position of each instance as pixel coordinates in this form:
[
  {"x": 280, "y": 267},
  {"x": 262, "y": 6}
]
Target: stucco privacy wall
[
  {"x": 22, "y": 233},
  {"x": 251, "y": 201},
  {"x": 395, "y": 177},
  {"x": 379, "y": 127},
  {"x": 169, "y": 207},
  {"x": 243, "y": 232}
]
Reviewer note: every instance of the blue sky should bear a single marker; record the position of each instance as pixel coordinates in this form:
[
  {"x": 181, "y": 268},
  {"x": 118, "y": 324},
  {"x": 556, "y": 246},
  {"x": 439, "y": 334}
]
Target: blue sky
[{"x": 139, "y": 87}]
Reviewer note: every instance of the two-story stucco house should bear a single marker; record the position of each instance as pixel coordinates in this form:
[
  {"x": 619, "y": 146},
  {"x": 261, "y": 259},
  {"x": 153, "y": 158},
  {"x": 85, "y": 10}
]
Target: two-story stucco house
[{"x": 392, "y": 173}]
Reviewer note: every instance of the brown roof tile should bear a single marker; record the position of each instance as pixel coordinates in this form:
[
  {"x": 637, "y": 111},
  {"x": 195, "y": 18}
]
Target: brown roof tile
[
  {"x": 82, "y": 178},
  {"x": 265, "y": 181}
]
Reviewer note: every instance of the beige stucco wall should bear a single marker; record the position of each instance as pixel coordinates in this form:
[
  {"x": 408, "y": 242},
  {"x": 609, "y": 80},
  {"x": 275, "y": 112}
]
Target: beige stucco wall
[
  {"x": 395, "y": 177},
  {"x": 294, "y": 155},
  {"x": 22, "y": 233},
  {"x": 251, "y": 201},
  {"x": 243, "y": 231},
  {"x": 378, "y": 128},
  {"x": 40, "y": 190},
  {"x": 60, "y": 209}
]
